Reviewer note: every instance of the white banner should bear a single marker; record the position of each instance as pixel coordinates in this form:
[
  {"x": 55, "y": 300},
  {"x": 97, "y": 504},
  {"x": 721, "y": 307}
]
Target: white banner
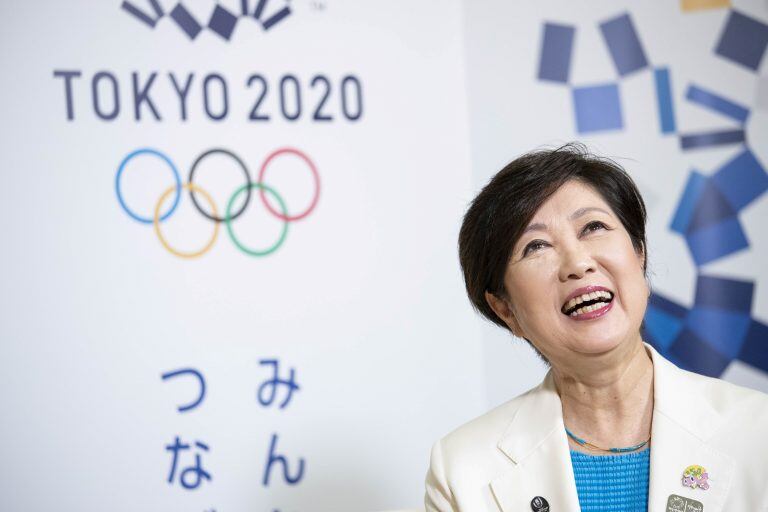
[{"x": 290, "y": 354}]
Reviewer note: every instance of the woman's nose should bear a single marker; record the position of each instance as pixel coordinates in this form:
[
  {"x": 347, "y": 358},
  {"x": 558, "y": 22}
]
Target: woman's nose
[{"x": 576, "y": 263}]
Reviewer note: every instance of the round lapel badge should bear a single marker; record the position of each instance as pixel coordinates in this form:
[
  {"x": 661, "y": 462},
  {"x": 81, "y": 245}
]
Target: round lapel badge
[{"x": 539, "y": 504}]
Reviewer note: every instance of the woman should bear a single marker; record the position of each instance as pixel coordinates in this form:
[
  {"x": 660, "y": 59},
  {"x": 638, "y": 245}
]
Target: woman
[{"x": 554, "y": 249}]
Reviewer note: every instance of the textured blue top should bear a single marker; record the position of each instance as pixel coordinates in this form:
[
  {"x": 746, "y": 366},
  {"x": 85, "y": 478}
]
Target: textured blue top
[{"x": 615, "y": 483}]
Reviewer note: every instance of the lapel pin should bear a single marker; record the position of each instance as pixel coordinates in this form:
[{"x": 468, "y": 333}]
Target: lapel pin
[
  {"x": 677, "y": 503},
  {"x": 696, "y": 476},
  {"x": 539, "y": 504}
]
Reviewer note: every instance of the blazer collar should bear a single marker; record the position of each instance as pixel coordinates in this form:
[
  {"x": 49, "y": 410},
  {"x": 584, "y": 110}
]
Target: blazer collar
[
  {"x": 684, "y": 419},
  {"x": 539, "y": 414},
  {"x": 676, "y": 396},
  {"x": 536, "y": 444}
]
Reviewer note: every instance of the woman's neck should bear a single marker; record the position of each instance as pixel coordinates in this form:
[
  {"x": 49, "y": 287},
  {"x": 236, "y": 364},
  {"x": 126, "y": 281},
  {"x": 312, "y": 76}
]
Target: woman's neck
[{"x": 608, "y": 400}]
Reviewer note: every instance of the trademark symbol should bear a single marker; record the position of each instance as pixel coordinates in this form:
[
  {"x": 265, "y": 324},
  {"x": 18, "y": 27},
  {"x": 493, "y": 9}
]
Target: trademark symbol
[{"x": 318, "y": 5}]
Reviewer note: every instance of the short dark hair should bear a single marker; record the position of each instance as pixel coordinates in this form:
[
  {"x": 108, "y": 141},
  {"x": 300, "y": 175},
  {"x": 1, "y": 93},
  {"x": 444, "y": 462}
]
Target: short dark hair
[{"x": 501, "y": 211}]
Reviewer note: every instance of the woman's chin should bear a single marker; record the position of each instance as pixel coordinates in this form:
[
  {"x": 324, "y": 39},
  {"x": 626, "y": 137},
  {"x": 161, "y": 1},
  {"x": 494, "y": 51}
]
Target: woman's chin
[
  {"x": 595, "y": 345},
  {"x": 599, "y": 335}
]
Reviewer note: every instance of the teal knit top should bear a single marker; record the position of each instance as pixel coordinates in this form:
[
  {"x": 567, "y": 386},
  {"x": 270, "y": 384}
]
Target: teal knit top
[{"x": 615, "y": 483}]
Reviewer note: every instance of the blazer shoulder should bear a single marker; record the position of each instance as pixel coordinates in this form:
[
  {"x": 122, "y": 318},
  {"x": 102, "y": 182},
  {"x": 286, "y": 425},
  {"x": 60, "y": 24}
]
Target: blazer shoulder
[
  {"x": 482, "y": 434},
  {"x": 734, "y": 401},
  {"x": 731, "y": 400},
  {"x": 727, "y": 397}
]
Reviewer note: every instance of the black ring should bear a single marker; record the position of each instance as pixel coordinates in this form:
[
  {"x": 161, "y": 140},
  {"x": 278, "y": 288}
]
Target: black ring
[{"x": 247, "y": 178}]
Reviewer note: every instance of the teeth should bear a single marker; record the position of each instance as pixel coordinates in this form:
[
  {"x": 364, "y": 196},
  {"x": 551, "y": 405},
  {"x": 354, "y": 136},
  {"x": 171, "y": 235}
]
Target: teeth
[
  {"x": 601, "y": 294},
  {"x": 589, "y": 309}
]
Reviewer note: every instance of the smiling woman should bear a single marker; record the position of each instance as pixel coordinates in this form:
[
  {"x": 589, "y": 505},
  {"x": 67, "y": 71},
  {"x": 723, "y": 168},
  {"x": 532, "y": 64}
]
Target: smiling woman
[
  {"x": 556, "y": 261},
  {"x": 507, "y": 210},
  {"x": 554, "y": 250}
]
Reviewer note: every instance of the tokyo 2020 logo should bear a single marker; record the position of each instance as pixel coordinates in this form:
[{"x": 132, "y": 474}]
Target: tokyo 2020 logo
[{"x": 203, "y": 201}]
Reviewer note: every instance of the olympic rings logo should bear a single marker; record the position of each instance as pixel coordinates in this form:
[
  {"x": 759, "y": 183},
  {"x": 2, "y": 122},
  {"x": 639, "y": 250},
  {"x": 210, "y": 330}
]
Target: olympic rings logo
[{"x": 212, "y": 212}]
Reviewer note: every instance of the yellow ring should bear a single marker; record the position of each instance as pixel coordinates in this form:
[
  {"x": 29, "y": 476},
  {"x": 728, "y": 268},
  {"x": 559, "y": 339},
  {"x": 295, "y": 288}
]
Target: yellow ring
[{"x": 156, "y": 221}]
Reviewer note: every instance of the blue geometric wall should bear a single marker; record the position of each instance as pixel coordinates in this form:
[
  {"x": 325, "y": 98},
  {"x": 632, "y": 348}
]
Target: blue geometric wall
[{"x": 719, "y": 327}]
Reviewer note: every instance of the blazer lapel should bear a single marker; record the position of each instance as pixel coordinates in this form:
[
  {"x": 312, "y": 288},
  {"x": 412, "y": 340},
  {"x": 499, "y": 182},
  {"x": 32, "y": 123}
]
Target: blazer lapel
[
  {"x": 536, "y": 444},
  {"x": 683, "y": 421}
]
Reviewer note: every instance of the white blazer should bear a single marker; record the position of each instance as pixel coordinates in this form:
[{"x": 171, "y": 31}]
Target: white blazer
[{"x": 519, "y": 450}]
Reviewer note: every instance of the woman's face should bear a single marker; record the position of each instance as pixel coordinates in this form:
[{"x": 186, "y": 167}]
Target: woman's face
[{"x": 575, "y": 244}]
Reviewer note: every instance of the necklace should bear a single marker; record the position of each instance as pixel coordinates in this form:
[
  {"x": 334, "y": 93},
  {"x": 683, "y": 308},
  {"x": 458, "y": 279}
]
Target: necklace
[{"x": 582, "y": 442}]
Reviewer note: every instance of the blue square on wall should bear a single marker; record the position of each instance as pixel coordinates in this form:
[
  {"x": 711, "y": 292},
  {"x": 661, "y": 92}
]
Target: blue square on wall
[
  {"x": 744, "y": 40},
  {"x": 624, "y": 44},
  {"x": 598, "y": 108},
  {"x": 556, "y": 52}
]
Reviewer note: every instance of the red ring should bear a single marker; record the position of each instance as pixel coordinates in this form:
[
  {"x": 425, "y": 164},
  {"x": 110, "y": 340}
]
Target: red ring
[{"x": 315, "y": 174}]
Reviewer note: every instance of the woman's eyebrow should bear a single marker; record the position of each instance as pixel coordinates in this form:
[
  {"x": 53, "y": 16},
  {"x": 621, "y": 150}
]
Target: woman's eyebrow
[
  {"x": 583, "y": 211},
  {"x": 535, "y": 227},
  {"x": 538, "y": 226}
]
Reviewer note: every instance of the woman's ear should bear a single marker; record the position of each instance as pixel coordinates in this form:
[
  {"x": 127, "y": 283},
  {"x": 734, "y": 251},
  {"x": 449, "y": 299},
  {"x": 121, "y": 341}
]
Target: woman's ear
[{"x": 503, "y": 310}]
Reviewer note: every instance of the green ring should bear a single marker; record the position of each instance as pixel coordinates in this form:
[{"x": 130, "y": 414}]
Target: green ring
[{"x": 228, "y": 220}]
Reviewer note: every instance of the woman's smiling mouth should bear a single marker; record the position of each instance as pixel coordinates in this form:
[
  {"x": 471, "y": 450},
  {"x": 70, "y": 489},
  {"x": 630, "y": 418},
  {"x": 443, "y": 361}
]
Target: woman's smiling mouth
[{"x": 588, "y": 302}]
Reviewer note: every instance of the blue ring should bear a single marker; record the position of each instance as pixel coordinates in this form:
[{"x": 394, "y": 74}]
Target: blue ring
[{"x": 145, "y": 220}]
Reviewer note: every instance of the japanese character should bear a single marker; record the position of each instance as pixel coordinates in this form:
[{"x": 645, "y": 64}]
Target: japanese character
[
  {"x": 196, "y": 473},
  {"x": 291, "y": 480},
  {"x": 200, "y": 381},
  {"x": 268, "y": 388}
]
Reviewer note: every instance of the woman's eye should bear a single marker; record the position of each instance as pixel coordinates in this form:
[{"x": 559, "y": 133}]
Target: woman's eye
[
  {"x": 593, "y": 226},
  {"x": 534, "y": 246}
]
